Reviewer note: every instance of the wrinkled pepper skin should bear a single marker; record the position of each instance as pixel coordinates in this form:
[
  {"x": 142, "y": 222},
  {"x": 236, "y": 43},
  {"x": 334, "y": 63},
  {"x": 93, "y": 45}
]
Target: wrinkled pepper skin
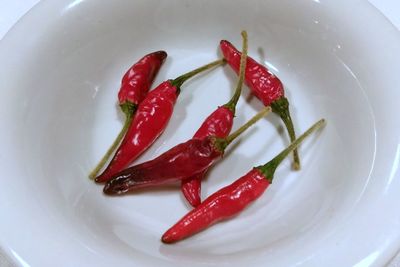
[
  {"x": 151, "y": 119},
  {"x": 263, "y": 83},
  {"x": 266, "y": 87},
  {"x": 219, "y": 124},
  {"x": 137, "y": 80},
  {"x": 181, "y": 161},
  {"x": 223, "y": 204}
]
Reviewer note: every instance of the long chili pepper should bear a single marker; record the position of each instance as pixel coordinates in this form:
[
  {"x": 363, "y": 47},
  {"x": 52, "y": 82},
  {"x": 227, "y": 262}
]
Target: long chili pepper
[
  {"x": 232, "y": 199},
  {"x": 134, "y": 86},
  {"x": 151, "y": 118},
  {"x": 180, "y": 162},
  {"x": 266, "y": 87},
  {"x": 219, "y": 124}
]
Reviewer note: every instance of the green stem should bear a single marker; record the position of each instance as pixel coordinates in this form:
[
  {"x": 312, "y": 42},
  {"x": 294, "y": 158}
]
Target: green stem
[
  {"x": 269, "y": 168},
  {"x": 177, "y": 82},
  {"x": 243, "y": 61},
  {"x": 222, "y": 143},
  {"x": 281, "y": 107},
  {"x": 129, "y": 109}
]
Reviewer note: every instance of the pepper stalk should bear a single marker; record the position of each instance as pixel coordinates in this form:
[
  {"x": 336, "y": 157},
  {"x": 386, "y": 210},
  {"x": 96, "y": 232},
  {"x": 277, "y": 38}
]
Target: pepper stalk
[
  {"x": 231, "y": 105},
  {"x": 269, "y": 168}
]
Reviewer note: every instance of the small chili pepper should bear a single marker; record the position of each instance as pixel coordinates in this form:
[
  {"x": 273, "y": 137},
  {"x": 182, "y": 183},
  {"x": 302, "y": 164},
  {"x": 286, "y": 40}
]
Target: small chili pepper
[
  {"x": 232, "y": 199},
  {"x": 219, "y": 124},
  {"x": 180, "y": 162},
  {"x": 134, "y": 86},
  {"x": 151, "y": 118},
  {"x": 266, "y": 87}
]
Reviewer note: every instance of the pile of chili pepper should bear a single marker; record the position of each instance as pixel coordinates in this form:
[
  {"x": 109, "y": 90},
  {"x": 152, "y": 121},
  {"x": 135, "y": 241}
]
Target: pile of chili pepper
[
  {"x": 150, "y": 120},
  {"x": 219, "y": 123},
  {"x": 147, "y": 115}
]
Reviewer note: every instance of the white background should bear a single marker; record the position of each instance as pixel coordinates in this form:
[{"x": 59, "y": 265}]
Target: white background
[{"x": 12, "y": 10}]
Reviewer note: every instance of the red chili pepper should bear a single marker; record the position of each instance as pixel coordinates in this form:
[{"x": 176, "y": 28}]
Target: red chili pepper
[
  {"x": 219, "y": 124},
  {"x": 134, "y": 86},
  {"x": 266, "y": 87},
  {"x": 151, "y": 118},
  {"x": 180, "y": 162},
  {"x": 232, "y": 199},
  {"x": 137, "y": 80}
]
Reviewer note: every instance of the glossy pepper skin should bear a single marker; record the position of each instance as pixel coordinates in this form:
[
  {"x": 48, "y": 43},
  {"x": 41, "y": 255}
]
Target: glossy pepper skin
[
  {"x": 221, "y": 205},
  {"x": 137, "y": 80},
  {"x": 182, "y": 161},
  {"x": 232, "y": 199},
  {"x": 134, "y": 87},
  {"x": 219, "y": 124},
  {"x": 151, "y": 119},
  {"x": 265, "y": 86}
]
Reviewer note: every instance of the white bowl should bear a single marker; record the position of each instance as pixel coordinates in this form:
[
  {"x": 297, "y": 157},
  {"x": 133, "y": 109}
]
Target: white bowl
[{"x": 61, "y": 67}]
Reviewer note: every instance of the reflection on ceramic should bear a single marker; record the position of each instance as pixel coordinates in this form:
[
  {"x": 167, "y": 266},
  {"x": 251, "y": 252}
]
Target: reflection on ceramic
[{"x": 60, "y": 72}]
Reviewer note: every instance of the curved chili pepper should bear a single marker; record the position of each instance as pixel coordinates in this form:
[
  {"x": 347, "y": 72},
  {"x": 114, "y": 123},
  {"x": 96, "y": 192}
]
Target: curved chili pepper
[
  {"x": 266, "y": 87},
  {"x": 219, "y": 124},
  {"x": 135, "y": 84},
  {"x": 151, "y": 118},
  {"x": 137, "y": 80},
  {"x": 232, "y": 199},
  {"x": 180, "y": 162}
]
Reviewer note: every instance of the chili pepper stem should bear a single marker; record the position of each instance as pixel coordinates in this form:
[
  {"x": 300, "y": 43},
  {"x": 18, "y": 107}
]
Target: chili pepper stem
[
  {"x": 243, "y": 61},
  {"x": 281, "y": 107},
  {"x": 269, "y": 168},
  {"x": 129, "y": 109},
  {"x": 222, "y": 143},
  {"x": 177, "y": 82}
]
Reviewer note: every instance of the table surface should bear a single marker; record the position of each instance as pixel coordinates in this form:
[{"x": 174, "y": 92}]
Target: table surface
[{"x": 12, "y": 10}]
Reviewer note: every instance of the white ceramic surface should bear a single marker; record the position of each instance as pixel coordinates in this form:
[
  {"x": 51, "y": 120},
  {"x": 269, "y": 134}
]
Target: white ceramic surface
[{"x": 338, "y": 60}]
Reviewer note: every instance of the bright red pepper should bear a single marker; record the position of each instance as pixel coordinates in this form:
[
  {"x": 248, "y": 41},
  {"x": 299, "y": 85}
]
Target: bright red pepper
[
  {"x": 265, "y": 86},
  {"x": 137, "y": 80},
  {"x": 219, "y": 124},
  {"x": 134, "y": 86},
  {"x": 221, "y": 205},
  {"x": 232, "y": 199},
  {"x": 151, "y": 118},
  {"x": 180, "y": 162}
]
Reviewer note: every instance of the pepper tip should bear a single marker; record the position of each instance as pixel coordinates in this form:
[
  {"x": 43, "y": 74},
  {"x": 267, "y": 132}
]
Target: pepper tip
[
  {"x": 98, "y": 179},
  {"x": 162, "y": 54},
  {"x": 167, "y": 239},
  {"x": 224, "y": 42}
]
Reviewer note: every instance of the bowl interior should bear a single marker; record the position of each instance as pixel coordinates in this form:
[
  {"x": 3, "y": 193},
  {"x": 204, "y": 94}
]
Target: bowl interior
[{"x": 70, "y": 116}]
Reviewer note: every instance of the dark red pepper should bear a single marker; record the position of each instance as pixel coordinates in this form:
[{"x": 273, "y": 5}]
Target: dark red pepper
[
  {"x": 180, "y": 162},
  {"x": 265, "y": 86},
  {"x": 151, "y": 118},
  {"x": 134, "y": 86},
  {"x": 219, "y": 124},
  {"x": 232, "y": 199}
]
